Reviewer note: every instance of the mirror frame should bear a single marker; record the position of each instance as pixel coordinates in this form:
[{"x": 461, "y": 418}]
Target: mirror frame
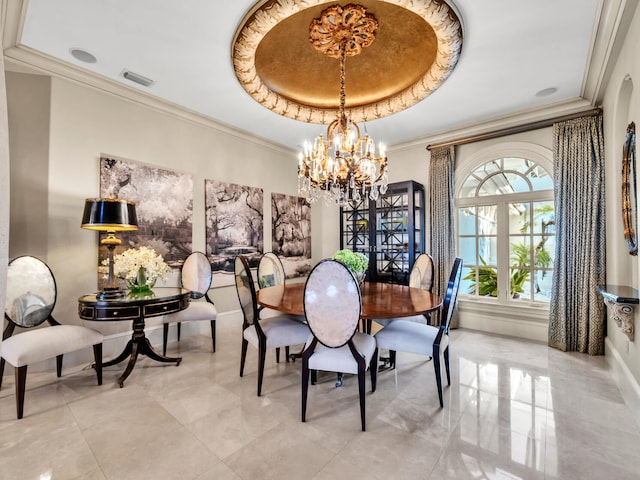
[{"x": 629, "y": 190}]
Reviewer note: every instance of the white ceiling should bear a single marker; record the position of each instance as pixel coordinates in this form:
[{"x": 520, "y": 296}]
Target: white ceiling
[{"x": 511, "y": 50}]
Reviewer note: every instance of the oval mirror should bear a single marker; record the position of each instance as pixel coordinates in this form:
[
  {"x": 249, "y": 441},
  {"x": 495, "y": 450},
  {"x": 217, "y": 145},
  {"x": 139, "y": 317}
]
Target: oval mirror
[
  {"x": 629, "y": 190},
  {"x": 31, "y": 291}
]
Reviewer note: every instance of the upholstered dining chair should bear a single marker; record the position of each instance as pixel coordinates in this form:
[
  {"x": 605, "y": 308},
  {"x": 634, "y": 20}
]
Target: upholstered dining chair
[
  {"x": 270, "y": 274},
  {"x": 421, "y": 276},
  {"x": 273, "y": 332},
  {"x": 30, "y": 299},
  {"x": 332, "y": 306},
  {"x": 196, "y": 277},
  {"x": 408, "y": 336}
]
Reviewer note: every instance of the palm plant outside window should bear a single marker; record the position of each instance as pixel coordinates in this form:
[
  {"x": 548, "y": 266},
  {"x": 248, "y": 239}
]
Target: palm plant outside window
[{"x": 506, "y": 232}]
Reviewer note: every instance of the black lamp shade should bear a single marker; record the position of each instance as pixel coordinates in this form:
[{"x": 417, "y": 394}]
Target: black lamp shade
[{"x": 109, "y": 214}]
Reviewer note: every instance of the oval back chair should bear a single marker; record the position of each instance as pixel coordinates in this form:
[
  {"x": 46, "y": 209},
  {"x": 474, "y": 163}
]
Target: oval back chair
[
  {"x": 30, "y": 298},
  {"x": 332, "y": 307},
  {"x": 422, "y": 274},
  {"x": 196, "y": 277},
  {"x": 406, "y": 336},
  {"x": 272, "y": 332}
]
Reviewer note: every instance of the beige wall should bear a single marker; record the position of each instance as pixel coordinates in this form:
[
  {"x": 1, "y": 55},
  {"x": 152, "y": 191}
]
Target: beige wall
[
  {"x": 29, "y": 110},
  {"x": 622, "y": 105},
  {"x": 4, "y": 194}
]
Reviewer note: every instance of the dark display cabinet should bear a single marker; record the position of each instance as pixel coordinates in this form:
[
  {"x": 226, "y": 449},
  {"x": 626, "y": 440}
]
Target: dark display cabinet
[{"x": 390, "y": 231}]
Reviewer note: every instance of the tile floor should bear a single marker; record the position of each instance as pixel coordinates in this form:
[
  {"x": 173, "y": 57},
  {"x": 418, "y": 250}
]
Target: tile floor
[{"x": 515, "y": 410}]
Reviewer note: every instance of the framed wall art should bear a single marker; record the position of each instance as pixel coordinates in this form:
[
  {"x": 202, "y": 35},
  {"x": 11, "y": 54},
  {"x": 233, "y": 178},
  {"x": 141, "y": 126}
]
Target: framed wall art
[
  {"x": 291, "y": 233},
  {"x": 234, "y": 225},
  {"x": 164, "y": 207}
]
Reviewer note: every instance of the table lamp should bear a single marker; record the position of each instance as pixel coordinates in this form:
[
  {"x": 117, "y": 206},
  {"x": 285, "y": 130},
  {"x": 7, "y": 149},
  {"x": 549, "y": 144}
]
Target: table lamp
[{"x": 109, "y": 215}]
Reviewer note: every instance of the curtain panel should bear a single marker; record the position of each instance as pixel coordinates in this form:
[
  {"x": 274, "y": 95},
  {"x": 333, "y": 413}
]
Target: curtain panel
[
  {"x": 442, "y": 246},
  {"x": 577, "y": 313}
]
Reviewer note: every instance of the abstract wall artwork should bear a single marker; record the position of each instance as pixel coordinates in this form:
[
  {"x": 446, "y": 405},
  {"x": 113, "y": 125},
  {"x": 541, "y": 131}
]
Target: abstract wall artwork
[
  {"x": 291, "y": 233},
  {"x": 164, "y": 207},
  {"x": 234, "y": 225}
]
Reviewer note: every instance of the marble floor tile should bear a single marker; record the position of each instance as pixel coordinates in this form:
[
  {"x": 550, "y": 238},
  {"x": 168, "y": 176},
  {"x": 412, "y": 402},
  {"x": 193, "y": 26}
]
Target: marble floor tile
[{"x": 514, "y": 410}]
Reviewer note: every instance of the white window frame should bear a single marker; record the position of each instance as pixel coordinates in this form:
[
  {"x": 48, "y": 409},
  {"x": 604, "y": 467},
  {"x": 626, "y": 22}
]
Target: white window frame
[{"x": 533, "y": 152}]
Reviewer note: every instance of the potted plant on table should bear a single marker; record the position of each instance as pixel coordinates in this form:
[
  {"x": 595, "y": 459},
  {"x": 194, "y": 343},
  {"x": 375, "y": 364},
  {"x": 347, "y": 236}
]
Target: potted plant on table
[
  {"x": 356, "y": 261},
  {"x": 140, "y": 267}
]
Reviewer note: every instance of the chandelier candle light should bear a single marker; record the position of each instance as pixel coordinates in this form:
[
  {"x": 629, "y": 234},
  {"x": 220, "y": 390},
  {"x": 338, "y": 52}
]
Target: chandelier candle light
[{"x": 343, "y": 167}]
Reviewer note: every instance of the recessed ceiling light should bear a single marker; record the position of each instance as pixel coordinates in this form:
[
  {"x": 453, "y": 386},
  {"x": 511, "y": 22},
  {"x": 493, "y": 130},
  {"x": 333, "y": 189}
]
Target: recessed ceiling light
[
  {"x": 82, "y": 55},
  {"x": 546, "y": 92},
  {"x": 137, "y": 78}
]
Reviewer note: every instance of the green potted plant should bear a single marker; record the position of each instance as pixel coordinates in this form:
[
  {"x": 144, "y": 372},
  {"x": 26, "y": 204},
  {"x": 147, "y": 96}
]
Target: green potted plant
[{"x": 356, "y": 261}]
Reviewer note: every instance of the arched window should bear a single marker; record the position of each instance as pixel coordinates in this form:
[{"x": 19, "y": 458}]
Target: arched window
[{"x": 506, "y": 230}]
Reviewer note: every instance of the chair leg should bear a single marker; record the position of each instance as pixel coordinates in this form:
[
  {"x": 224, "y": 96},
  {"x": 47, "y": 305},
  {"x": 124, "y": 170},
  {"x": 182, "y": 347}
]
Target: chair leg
[
  {"x": 21, "y": 380},
  {"x": 179, "y": 325},
  {"x": 446, "y": 365},
  {"x": 361, "y": 390},
  {"x": 314, "y": 377},
  {"x": 59, "y": 365},
  {"x": 97, "y": 358},
  {"x": 286, "y": 353},
  {"x": 1, "y": 370},
  {"x": 243, "y": 355},
  {"x": 262, "y": 355},
  {"x": 213, "y": 335},
  {"x": 165, "y": 336},
  {"x": 277, "y": 355},
  {"x": 436, "y": 366},
  {"x": 373, "y": 368},
  {"x": 305, "y": 388},
  {"x": 392, "y": 358}
]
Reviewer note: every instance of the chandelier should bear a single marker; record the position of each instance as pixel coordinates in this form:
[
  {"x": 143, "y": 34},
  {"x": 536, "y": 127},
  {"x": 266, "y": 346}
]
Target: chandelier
[{"x": 344, "y": 167}]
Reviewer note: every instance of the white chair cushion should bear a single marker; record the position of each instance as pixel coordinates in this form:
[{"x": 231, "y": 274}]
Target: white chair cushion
[
  {"x": 280, "y": 331},
  {"x": 412, "y": 318},
  {"x": 340, "y": 359},
  {"x": 269, "y": 312},
  {"x": 37, "y": 345},
  {"x": 406, "y": 336},
  {"x": 197, "y": 310}
]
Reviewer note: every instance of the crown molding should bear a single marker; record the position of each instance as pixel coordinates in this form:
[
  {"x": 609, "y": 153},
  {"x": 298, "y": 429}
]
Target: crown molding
[
  {"x": 26, "y": 59},
  {"x": 497, "y": 123}
]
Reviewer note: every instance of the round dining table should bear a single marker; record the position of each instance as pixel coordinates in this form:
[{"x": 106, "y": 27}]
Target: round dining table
[{"x": 379, "y": 300}]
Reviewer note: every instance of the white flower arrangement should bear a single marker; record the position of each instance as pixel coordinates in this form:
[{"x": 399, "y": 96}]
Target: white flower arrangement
[{"x": 127, "y": 265}]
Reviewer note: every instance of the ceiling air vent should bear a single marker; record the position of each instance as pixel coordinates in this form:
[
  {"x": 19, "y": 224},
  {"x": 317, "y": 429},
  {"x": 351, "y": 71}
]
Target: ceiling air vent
[{"x": 137, "y": 78}]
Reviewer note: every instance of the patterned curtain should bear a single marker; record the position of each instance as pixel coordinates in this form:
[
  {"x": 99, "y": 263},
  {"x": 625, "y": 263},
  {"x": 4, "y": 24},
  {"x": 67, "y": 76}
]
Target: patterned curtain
[
  {"x": 442, "y": 244},
  {"x": 577, "y": 312}
]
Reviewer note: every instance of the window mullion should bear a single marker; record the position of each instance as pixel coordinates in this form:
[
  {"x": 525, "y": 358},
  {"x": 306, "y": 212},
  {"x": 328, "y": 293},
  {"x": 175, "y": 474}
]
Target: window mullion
[{"x": 503, "y": 251}]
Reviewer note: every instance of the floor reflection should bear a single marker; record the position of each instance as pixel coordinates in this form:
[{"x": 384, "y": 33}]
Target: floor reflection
[{"x": 514, "y": 410}]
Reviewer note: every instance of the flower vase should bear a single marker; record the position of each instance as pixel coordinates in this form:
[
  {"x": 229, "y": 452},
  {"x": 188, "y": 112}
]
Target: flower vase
[
  {"x": 360, "y": 276},
  {"x": 141, "y": 283}
]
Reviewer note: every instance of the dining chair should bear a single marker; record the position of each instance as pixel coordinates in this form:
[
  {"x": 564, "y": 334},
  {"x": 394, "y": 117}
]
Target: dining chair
[
  {"x": 272, "y": 332},
  {"x": 30, "y": 299},
  {"x": 408, "y": 336},
  {"x": 271, "y": 274},
  {"x": 332, "y": 306},
  {"x": 196, "y": 277},
  {"x": 421, "y": 276}
]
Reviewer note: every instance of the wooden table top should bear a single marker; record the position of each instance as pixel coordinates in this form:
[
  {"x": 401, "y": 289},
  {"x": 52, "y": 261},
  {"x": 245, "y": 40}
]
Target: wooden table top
[{"x": 379, "y": 300}]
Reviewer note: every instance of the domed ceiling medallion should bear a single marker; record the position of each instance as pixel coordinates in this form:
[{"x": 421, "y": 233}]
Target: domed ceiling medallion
[{"x": 276, "y": 60}]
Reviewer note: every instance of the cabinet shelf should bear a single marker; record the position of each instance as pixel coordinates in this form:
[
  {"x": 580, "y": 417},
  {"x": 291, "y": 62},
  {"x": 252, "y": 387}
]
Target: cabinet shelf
[{"x": 389, "y": 230}]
